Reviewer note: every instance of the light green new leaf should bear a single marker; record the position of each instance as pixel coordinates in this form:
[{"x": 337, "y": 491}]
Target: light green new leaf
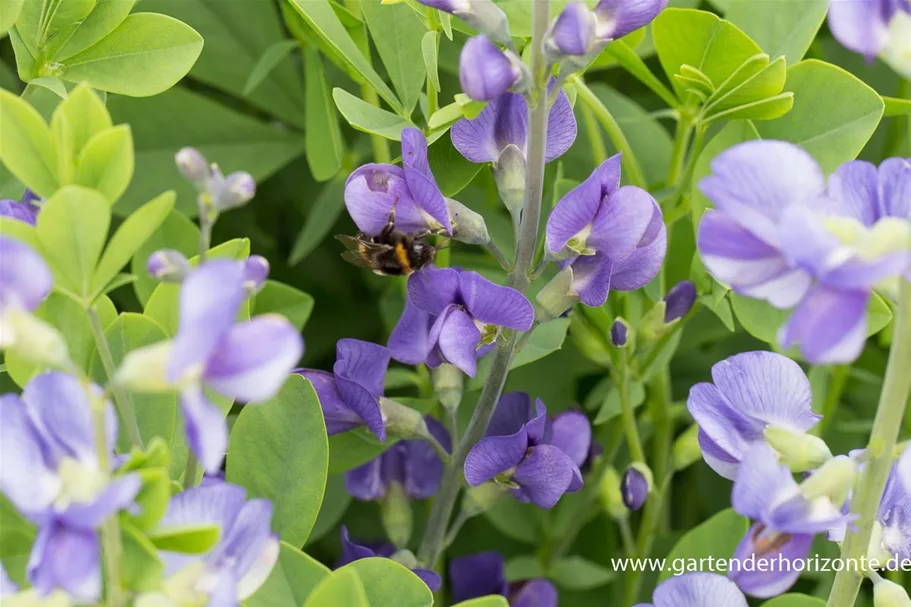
[
  {"x": 321, "y": 17},
  {"x": 106, "y": 162},
  {"x": 9, "y": 12},
  {"x": 485, "y": 601},
  {"x": 764, "y": 109},
  {"x": 188, "y": 539},
  {"x": 718, "y": 537},
  {"x": 146, "y": 55},
  {"x": 627, "y": 58},
  {"x": 279, "y": 451},
  {"x": 397, "y": 34},
  {"x": 86, "y": 114},
  {"x": 175, "y": 232},
  {"x": 51, "y": 83},
  {"x": 453, "y": 172},
  {"x": 269, "y": 60},
  {"x": 755, "y": 79},
  {"x": 141, "y": 566},
  {"x": 795, "y": 600},
  {"x": 577, "y": 573},
  {"x": 130, "y": 236},
  {"x": 103, "y": 20},
  {"x": 72, "y": 229},
  {"x": 369, "y": 118},
  {"x": 25, "y": 145},
  {"x": 783, "y": 27},
  {"x": 430, "y": 47},
  {"x": 292, "y": 580},
  {"x": 62, "y": 144},
  {"x": 342, "y": 587},
  {"x": 389, "y": 583},
  {"x": 279, "y": 298},
  {"x": 324, "y": 144},
  {"x": 322, "y": 216}
]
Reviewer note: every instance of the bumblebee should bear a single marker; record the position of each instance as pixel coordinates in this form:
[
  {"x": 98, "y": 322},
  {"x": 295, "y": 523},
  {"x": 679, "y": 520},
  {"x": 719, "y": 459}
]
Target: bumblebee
[{"x": 391, "y": 252}]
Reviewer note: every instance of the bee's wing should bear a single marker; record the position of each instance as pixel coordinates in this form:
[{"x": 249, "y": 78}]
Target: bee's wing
[
  {"x": 355, "y": 259},
  {"x": 351, "y": 242}
]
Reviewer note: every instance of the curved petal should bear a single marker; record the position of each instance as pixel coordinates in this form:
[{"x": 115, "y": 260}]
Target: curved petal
[
  {"x": 592, "y": 278},
  {"x": 895, "y": 188},
  {"x": 362, "y": 402},
  {"x": 859, "y": 25},
  {"x": 493, "y": 304},
  {"x": 761, "y": 484},
  {"x": 429, "y": 577},
  {"x": 477, "y": 575},
  {"x": 798, "y": 515},
  {"x": 339, "y": 417},
  {"x": 534, "y": 593},
  {"x": 854, "y": 188},
  {"x": 561, "y": 127},
  {"x": 458, "y": 340},
  {"x": 24, "y": 476},
  {"x": 25, "y": 280},
  {"x": 432, "y": 289},
  {"x": 572, "y": 434},
  {"x": 240, "y": 546},
  {"x": 352, "y": 551},
  {"x": 577, "y": 209},
  {"x": 503, "y": 122},
  {"x": 423, "y": 467},
  {"x": 494, "y": 455},
  {"x": 67, "y": 559},
  {"x": 622, "y": 221},
  {"x": 253, "y": 361},
  {"x": 538, "y": 427},
  {"x": 15, "y": 210},
  {"x": 545, "y": 475},
  {"x": 485, "y": 72},
  {"x": 512, "y": 413},
  {"x": 365, "y": 482},
  {"x": 699, "y": 590},
  {"x": 717, "y": 458},
  {"x": 617, "y": 18},
  {"x": 421, "y": 183},
  {"x": 643, "y": 264},
  {"x": 258, "y": 571},
  {"x": 117, "y": 496},
  {"x": 767, "y": 387},
  {"x": 207, "y": 432},
  {"x": 775, "y": 577},
  {"x": 754, "y": 182},
  {"x": 7, "y": 586},
  {"x": 217, "y": 503},
  {"x": 362, "y": 362},
  {"x": 210, "y": 299},
  {"x": 829, "y": 325},
  {"x": 727, "y": 429},
  {"x": 372, "y": 190},
  {"x": 409, "y": 342}
]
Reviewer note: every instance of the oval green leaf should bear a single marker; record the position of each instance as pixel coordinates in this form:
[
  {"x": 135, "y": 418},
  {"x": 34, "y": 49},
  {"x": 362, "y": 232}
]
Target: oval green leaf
[
  {"x": 389, "y": 583},
  {"x": 718, "y": 537}
]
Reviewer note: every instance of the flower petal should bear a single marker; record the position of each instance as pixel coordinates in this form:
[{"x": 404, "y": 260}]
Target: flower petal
[
  {"x": 352, "y": 551},
  {"x": 717, "y": 458},
  {"x": 16, "y": 210},
  {"x": 429, "y": 577},
  {"x": 67, "y": 559},
  {"x": 421, "y": 183},
  {"x": 622, "y": 221},
  {"x": 477, "y": 575},
  {"x": 578, "y": 208},
  {"x": 643, "y": 264},
  {"x": 485, "y": 72},
  {"x": 458, "y": 340},
  {"x": 761, "y": 483},
  {"x": 217, "y": 503},
  {"x": 207, "y": 432},
  {"x": 572, "y": 434},
  {"x": 561, "y": 127},
  {"x": 362, "y": 402},
  {"x": 512, "y": 412},
  {"x": 503, "y": 122},
  {"x": 768, "y": 581},
  {"x": 545, "y": 475},
  {"x": 408, "y": 342},
  {"x": 253, "y": 361},
  {"x": 25, "y": 280},
  {"x": 859, "y": 25},
  {"x": 432, "y": 289},
  {"x": 117, "y": 496},
  {"x": 729, "y": 431},
  {"x": 829, "y": 325},
  {"x": 210, "y": 299},
  {"x": 364, "y": 482},
  {"x": 592, "y": 278},
  {"x": 339, "y": 417},
  {"x": 699, "y": 590},
  {"x": 895, "y": 184},
  {"x": 259, "y": 570},
  {"x": 494, "y": 455},
  {"x": 372, "y": 191},
  {"x": 535, "y": 593},
  {"x": 246, "y": 539},
  {"x": 24, "y": 476},
  {"x": 493, "y": 304},
  {"x": 538, "y": 427},
  {"x": 423, "y": 467},
  {"x": 854, "y": 188},
  {"x": 617, "y": 18},
  {"x": 362, "y": 362}
]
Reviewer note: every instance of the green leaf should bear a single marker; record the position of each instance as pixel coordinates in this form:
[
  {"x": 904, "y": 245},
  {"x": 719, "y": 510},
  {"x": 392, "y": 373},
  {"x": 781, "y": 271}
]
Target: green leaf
[
  {"x": 544, "y": 340},
  {"x": 335, "y": 504},
  {"x": 795, "y": 600},
  {"x": 87, "y": 116},
  {"x": 72, "y": 228},
  {"x": 369, "y": 118},
  {"x": 718, "y": 537},
  {"x": 279, "y": 451},
  {"x": 175, "y": 232},
  {"x": 142, "y": 569},
  {"x": 342, "y": 587},
  {"x": 879, "y": 315},
  {"x": 701, "y": 40},
  {"x": 452, "y": 171},
  {"x": 430, "y": 48},
  {"x": 9, "y": 12},
  {"x": 515, "y": 520},
  {"x": 106, "y": 162},
  {"x": 397, "y": 34},
  {"x": 745, "y": 87},
  {"x": 627, "y": 58},
  {"x": 154, "y": 495},
  {"x": 120, "y": 280},
  {"x": 323, "y": 134},
  {"x": 269, "y": 60},
  {"x": 319, "y": 15},
  {"x": 322, "y": 216},
  {"x": 292, "y": 580},
  {"x": 130, "y": 236},
  {"x": 25, "y": 145},
  {"x": 759, "y": 318},
  {"x": 51, "y": 83},
  {"x": 389, "y": 583},
  {"x": 576, "y": 573},
  {"x": 351, "y": 449},
  {"x": 611, "y": 407},
  {"x": 279, "y": 298},
  {"x": 145, "y": 55},
  {"x": 834, "y": 113},
  {"x": 786, "y": 27},
  {"x": 103, "y": 20},
  {"x": 178, "y": 118},
  {"x": 764, "y": 109},
  {"x": 485, "y": 601},
  {"x": 897, "y": 107},
  {"x": 188, "y": 539}
]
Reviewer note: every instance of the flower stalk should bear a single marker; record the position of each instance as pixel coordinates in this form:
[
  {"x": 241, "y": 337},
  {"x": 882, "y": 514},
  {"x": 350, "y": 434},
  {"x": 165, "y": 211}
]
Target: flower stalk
[
  {"x": 111, "y": 545},
  {"x": 880, "y": 452}
]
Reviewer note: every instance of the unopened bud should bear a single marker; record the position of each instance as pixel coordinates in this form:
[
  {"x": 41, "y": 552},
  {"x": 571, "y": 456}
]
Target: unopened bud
[
  {"x": 467, "y": 226},
  {"x": 636, "y": 485},
  {"x": 889, "y": 594},
  {"x": 401, "y": 420},
  {"x": 556, "y": 297},
  {"x": 395, "y": 512},
  {"x": 686, "y": 448},
  {"x": 619, "y": 332},
  {"x": 652, "y": 326},
  {"x": 611, "y": 497},
  {"x": 572, "y": 34},
  {"x": 34, "y": 340},
  {"x": 834, "y": 480},
  {"x": 406, "y": 558},
  {"x": 256, "y": 270},
  {"x": 146, "y": 369},
  {"x": 480, "y": 499},
  {"x": 168, "y": 265},
  {"x": 797, "y": 450},
  {"x": 448, "y": 384},
  {"x": 679, "y": 301},
  {"x": 236, "y": 190},
  {"x": 509, "y": 172},
  {"x": 193, "y": 165},
  {"x": 486, "y": 72}
]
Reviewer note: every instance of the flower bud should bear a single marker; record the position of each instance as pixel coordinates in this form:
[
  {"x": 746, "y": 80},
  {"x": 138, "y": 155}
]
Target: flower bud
[
  {"x": 636, "y": 485},
  {"x": 467, "y": 226},
  {"x": 480, "y": 499},
  {"x": 619, "y": 332},
  {"x": 192, "y": 165},
  {"x": 168, "y": 265},
  {"x": 798, "y": 451},
  {"x": 572, "y": 33},
  {"x": 256, "y": 270},
  {"x": 483, "y": 15},
  {"x": 679, "y": 301},
  {"x": 395, "y": 512},
  {"x": 486, "y": 72},
  {"x": 509, "y": 172},
  {"x": 652, "y": 326},
  {"x": 556, "y": 297},
  {"x": 889, "y": 594},
  {"x": 686, "y": 450},
  {"x": 617, "y": 18},
  {"x": 33, "y": 339},
  {"x": 834, "y": 480},
  {"x": 403, "y": 421},
  {"x": 236, "y": 190},
  {"x": 448, "y": 382},
  {"x": 611, "y": 497},
  {"x": 146, "y": 369}
]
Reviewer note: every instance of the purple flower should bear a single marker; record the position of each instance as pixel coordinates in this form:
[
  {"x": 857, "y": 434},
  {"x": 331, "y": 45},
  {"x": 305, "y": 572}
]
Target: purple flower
[
  {"x": 572, "y": 32},
  {"x": 635, "y": 488},
  {"x": 504, "y": 122},
  {"x": 780, "y": 235},
  {"x": 217, "y": 193},
  {"x": 247, "y": 361},
  {"x": 246, "y": 551},
  {"x": 484, "y": 574},
  {"x": 765, "y": 545},
  {"x": 352, "y": 551},
  {"x": 374, "y": 190},
  {"x": 52, "y": 475},
  {"x": 25, "y": 280},
  {"x": 350, "y": 394},
  {"x": 613, "y": 237},
  {"x": 483, "y": 15},
  {"x": 679, "y": 301},
  {"x": 486, "y": 71},
  {"x": 25, "y": 210},
  {"x": 168, "y": 265},
  {"x": 7, "y": 586},
  {"x": 863, "y": 25},
  {"x": 617, "y": 18},
  {"x": 618, "y": 333},
  {"x": 413, "y": 464},
  {"x": 751, "y": 392},
  {"x": 697, "y": 590},
  {"x": 522, "y": 452}
]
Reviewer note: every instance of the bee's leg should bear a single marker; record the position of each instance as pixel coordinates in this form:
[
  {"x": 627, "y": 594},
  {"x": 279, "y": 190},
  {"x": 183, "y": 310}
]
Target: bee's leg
[{"x": 390, "y": 223}]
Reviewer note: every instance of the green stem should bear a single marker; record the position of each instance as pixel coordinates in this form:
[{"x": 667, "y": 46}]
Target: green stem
[
  {"x": 880, "y": 451},
  {"x": 630, "y": 163},
  {"x": 626, "y": 536},
  {"x": 636, "y": 451},
  {"x": 678, "y": 155},
  {"x": 111, "y": 546},
  {"x": 497, "y": 254},
  {"x": 659, "y": 390},
  {"x": 121, "y": 398}
]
